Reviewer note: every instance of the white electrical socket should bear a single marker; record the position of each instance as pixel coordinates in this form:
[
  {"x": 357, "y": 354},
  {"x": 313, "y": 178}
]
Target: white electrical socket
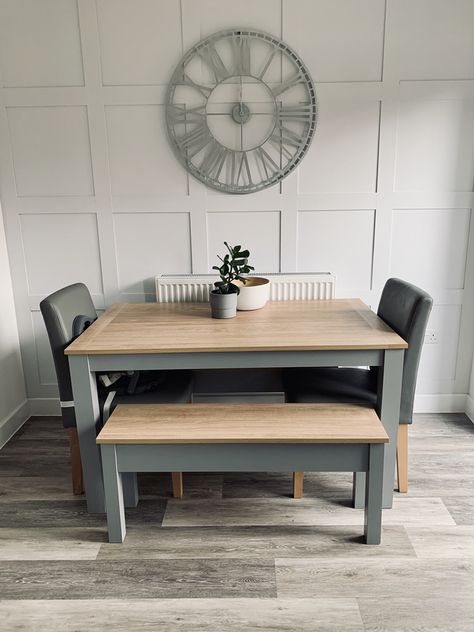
[{"x": 431, "y": 337}]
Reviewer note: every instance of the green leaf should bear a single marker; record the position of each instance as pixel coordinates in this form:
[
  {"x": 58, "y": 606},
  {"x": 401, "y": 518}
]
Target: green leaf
[{"x": 244, "y": 253}]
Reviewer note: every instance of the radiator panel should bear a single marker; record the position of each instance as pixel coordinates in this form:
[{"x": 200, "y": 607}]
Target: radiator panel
[{"x": 189, "y": 288}]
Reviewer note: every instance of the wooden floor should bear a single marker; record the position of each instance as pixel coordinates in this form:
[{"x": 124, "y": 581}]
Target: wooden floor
[{"x": 238, "y": 553}]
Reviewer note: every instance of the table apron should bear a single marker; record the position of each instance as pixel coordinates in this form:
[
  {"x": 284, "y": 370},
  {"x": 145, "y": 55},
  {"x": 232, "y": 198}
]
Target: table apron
[
  {"x": 236, "y": 360},
  {"x": 243, "y": 457}
]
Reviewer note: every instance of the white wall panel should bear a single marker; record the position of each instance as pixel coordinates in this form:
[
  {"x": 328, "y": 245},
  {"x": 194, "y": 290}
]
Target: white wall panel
[
  {"x": 431, "y": 39},
  {"x": 51, "y": 151},
  {"x": 140, "y": 158},
  {"x": 150, "y": 243},
  {"x": 12, "y": 383},
  {"x": 258, "y": 232},
  {"x": 438, "y": 361},
  {"x": 429, "y": 247},
  {"x": 140, "y": 40},
  {"x": 59, "y": 249},
  {"x": 435, "y": 146},
  {"x": 343, "y": 154},
  {"x": 217, "y": 15},
  {"x": 40, "y": 43},
  {"x": 338, "y": 41},
  {"x": 340, "y": 242}
]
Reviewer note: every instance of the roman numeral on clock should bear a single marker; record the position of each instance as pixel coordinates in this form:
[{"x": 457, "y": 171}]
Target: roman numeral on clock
[
  {"x": 204, "y": 90},
  {"x": 214, "y": 160},
  {"x": 180, "y": 114},
  {"x": 265, "y": 163},
  {"x": 214, "y": 62},
  {"x": 266, "y": 64},
  {"x": 299, "y": 113},
  {"x": 240, "y": 169},
  {"x": 241, "y": 54},
  {"x": 288, "y": 84},
  {"x": 195, "y": 140}
]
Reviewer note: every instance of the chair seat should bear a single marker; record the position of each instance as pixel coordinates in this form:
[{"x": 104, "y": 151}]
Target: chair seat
[
  {"x": 323, "y": 385},
  {"x": 174, "y": 388}
]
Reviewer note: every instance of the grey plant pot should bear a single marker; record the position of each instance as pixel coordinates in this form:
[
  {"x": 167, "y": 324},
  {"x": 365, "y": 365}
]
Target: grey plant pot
[{"x": 223, "y": 305}]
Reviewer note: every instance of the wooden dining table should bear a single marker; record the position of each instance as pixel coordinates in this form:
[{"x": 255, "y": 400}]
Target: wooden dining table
[{"x": 173, "y": 336}]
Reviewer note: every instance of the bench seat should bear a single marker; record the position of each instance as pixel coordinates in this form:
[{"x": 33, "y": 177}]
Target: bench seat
[{"x": 242, "y": 437}]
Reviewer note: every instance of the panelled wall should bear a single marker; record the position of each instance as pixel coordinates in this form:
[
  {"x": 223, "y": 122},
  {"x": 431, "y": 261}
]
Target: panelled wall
[
  {"x": 92, "y": 191},
  {"x": 14, "y": 408}
]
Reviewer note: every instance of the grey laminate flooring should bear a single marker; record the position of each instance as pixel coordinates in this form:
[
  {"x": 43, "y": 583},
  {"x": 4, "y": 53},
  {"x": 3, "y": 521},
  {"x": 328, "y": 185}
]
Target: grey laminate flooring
[{"x": 238, "y": 553}]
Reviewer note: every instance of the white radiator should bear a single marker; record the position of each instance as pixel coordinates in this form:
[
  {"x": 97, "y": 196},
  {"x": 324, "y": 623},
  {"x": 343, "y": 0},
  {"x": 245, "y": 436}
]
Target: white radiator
[{"x": 195, "y": 288}]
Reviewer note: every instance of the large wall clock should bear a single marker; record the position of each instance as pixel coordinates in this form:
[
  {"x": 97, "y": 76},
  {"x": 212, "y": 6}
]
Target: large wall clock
[{"x": 240, "y": 110}]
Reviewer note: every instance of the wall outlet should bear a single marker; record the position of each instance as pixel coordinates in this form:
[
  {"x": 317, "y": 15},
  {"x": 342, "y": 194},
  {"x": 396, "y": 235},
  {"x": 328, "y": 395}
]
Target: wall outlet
[{"x": 431, "y": 337}]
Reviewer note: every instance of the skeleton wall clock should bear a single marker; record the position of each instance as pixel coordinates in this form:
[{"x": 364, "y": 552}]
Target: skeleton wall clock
[{"x": 240, "y": 111}]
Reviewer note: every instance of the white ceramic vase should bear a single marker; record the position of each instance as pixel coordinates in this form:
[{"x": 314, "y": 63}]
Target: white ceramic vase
[{"x": 254, "y": 294}]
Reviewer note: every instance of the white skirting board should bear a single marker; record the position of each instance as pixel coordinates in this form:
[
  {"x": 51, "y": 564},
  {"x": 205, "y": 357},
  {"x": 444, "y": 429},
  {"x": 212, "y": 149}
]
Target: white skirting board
[
  {"x": 45, "y": 406},
  {"x": 13, "y": 422},
  {"x": 431, "y": 403},
  {"x": 470, "y": 407},
  {"x": 440, "y": 403}
]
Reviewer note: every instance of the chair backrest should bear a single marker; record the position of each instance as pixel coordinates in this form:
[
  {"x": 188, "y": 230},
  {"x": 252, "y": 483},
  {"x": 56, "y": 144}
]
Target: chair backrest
[
  {"x": 406, "y": 309},
  {"x": 59, "y": 311}
]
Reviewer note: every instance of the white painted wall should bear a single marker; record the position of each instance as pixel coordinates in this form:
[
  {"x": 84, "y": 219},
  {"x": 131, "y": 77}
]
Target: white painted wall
[
  {"x": 14, "y": 407},
  {"x": 470, "y": 396},
  {"x": 91, "y": 189}
]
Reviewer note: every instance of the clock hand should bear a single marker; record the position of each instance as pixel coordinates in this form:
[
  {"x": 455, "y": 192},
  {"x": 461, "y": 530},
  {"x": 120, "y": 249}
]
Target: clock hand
[{"x": 241, "y": 117}]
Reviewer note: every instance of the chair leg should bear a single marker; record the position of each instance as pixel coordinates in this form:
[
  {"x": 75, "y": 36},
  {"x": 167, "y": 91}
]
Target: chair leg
[
  {"x": 402, "y": 458},
  {"x": 177, "y": 483},
  {"x": 298, "y": 478},
  {"x": 76, "y": 465}
]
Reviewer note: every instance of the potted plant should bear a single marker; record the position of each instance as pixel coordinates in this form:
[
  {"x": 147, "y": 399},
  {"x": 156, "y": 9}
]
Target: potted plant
[{"x": 224, "y": 298}]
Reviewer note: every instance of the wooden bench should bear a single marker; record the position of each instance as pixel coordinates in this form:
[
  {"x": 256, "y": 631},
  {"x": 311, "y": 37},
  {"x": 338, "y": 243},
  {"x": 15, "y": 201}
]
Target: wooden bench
[{"x": 242, "y": 437}]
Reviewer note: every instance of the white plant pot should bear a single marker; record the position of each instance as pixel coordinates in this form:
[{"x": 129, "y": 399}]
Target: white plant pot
[{"x": 254, "y": 294}]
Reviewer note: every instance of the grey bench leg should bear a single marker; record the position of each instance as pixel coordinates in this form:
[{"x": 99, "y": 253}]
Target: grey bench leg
[
  {"x": 113, "y": 488},
  {"x": 373, "y": 494}
]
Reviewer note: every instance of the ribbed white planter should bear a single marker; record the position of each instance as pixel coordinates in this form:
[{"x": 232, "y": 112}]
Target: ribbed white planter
[{"x": 223, "y": 305}]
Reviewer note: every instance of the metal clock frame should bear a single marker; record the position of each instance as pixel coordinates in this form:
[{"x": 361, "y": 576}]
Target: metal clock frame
[{"x": 195, "y": 141}]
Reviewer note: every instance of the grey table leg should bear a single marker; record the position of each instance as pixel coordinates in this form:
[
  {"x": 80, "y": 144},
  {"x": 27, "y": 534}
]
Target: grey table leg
[
  {"x": 373, "y": 495},
  {"x": 88, "y": 421},
  {"x": 113, "y": 495},
  {"x": 389, "y": 413},
  {"x": 388, "y": 409},
  {"x": 130, "y": 489},
  {"x": 86, "y": 405}
]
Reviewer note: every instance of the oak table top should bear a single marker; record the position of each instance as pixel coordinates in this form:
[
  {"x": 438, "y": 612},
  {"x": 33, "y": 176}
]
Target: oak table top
[
  {"x": 242, "y": 423},
  {"x": 146, "y": 328}
]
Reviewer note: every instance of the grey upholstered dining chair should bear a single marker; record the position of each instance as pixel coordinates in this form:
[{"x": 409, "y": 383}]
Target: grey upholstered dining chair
[
  {"x": 406, "y": 309},
  {"x": 63, "y": 312}
]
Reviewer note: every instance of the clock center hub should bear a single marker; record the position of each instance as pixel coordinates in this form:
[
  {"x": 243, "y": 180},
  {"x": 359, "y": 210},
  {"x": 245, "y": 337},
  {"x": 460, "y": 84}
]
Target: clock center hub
[{"x": 240, "y": 113}]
